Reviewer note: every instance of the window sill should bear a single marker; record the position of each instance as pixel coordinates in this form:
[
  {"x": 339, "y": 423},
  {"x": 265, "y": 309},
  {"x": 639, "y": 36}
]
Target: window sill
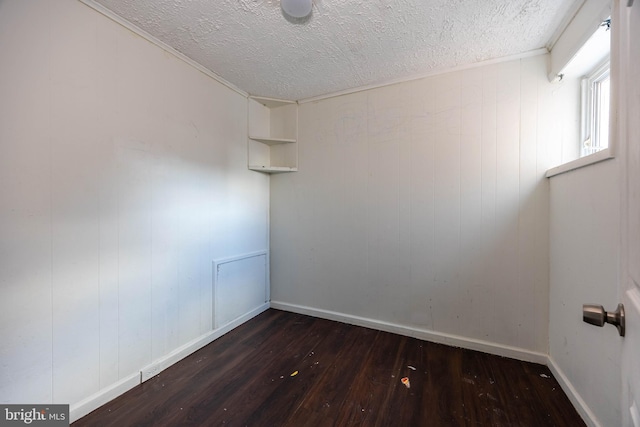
[{"x": 598, "y": 157}]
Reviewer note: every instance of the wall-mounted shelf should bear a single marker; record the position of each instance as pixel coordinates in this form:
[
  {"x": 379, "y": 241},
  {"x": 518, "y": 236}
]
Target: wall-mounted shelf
[
  {"x": 272, "y": 126},
  {"x": 272, "y": 169},
  {"x": 272, "y": 141}
]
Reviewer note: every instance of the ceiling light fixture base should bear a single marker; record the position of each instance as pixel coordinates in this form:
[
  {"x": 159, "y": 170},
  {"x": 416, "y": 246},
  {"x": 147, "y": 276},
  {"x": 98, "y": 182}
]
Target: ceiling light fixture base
[{"x": 296, "y": 8}]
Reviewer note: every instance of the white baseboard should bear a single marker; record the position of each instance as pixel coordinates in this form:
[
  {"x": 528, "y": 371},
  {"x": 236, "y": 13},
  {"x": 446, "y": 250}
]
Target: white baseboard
[
  {"x": 424, "y": 334},
  {"x": 180, "y": 353},
  {"x": 93, "y": 402},
  {"x": 98, "y": 399},
  {"x": 457, "y": 341},
  {"x": 581, "y": 406}
]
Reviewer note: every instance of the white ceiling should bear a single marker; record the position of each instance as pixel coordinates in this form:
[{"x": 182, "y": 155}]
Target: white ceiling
[{"x": 345, "y": 43}]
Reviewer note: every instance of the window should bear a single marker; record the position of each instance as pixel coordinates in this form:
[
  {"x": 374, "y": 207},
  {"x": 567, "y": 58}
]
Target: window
[
  {"x": 595, "y": 110},
  {"x": 586, "y": 87}
]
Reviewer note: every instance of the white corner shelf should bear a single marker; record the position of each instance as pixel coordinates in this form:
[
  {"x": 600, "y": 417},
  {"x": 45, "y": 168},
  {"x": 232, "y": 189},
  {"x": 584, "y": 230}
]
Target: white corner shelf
[
  {"x": 272, "y": 128},
  {"x": 272, "y": 169},
  {"x": 272, "y": 102},
  {"x": 272, "y": 141}
]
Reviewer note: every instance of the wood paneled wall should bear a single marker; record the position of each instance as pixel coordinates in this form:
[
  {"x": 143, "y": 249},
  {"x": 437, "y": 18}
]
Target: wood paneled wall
[
  {"x": 424, "y": 204},
  {"x": 122, "y": 177},
  {"x": 584, "y": 253}
]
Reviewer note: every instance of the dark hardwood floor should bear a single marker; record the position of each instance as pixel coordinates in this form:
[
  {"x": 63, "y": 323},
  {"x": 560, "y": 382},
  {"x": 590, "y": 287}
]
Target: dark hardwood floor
[{"x": 346, "y": 376}]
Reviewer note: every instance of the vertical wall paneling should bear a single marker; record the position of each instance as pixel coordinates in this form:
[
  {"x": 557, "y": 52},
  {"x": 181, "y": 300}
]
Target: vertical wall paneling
[
  {"x": 528, "y": 179},
  {"x": 134, "y": 256},
  {"x": 489, "y": 179},
  {"x": 446, "y": 130},
  {"x": 584, "y": 245},
  {"x": 445, "y": 196},
  {"x": 565, "y": 133},
  {"x": 122, "y": 175},
  {"x": 420, "y": 304},
  {"x": 508, "y": 106},
  {"x": 471, "y": 200},
  {"x": 26, "y": 370},
  {"x": 386, "y": 134},
  {"x": 348, "y": 134},
  {"x": 104, "y": 58}
]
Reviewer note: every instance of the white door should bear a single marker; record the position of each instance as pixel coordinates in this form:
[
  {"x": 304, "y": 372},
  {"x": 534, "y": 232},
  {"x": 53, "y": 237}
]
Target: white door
[{"x": 628, "y": 128}]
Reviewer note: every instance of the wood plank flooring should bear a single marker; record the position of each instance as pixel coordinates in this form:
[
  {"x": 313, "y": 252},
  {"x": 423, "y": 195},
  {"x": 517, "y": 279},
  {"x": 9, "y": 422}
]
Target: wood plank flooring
[{"x": 346, "y": 376}]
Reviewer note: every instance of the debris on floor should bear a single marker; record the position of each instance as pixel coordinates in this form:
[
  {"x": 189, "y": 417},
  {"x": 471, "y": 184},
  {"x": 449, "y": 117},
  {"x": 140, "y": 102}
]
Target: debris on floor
[
  {"x": 406, "y": 382},
  {"x": 411, "y": 367},
  {"x": 294, "y": 374},
  {"x": 545, "y": 376}
]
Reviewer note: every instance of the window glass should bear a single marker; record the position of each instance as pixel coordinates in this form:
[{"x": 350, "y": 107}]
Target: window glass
[{"x": 596, "y": 88}]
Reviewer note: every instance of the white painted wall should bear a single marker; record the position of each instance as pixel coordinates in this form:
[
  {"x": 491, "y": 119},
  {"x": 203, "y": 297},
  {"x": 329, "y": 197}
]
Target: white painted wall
[
  {"x": 122, "y": 177},
  {"x": 566, "y": 104},
  {"x": 424, "y": 204},
  {"x": 584, "y": 242}
]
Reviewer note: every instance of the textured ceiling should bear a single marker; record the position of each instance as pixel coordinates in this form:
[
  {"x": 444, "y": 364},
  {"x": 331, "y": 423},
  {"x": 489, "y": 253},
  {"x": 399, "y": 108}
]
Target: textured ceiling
[{"x": 344, "y": 44}]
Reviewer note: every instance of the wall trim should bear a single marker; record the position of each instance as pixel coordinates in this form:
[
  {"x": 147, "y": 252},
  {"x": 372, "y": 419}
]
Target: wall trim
[
  {"x": 457, "y": 341},
  {"x": 581, "y": 162},
  {"x": 531, "y": 53},
  {"x": 82, "y": 408},
  {"x": 185, "y": 350},
  {"x": 152, "y": 39},
  {"x": 162, "y": 45},
  {"x": 571, "y": 14},
  {"x": 424, "y": 334},
  {"x": 103, "y": 396},
  {"x": 581, "y": 406},
  {"x": 98, "y": 399}
]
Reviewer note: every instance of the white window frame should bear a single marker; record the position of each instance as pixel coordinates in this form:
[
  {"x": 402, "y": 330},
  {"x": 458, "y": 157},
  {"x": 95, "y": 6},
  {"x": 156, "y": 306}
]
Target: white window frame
[
  {"x": 585, "y": 129},
  {"x": 590, "y": 110},
  {"x": 578, "y": 33}
]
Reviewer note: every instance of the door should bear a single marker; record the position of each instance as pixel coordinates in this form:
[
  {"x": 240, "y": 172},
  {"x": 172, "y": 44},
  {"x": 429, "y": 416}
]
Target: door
[{"x": 627, "y": 48}]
